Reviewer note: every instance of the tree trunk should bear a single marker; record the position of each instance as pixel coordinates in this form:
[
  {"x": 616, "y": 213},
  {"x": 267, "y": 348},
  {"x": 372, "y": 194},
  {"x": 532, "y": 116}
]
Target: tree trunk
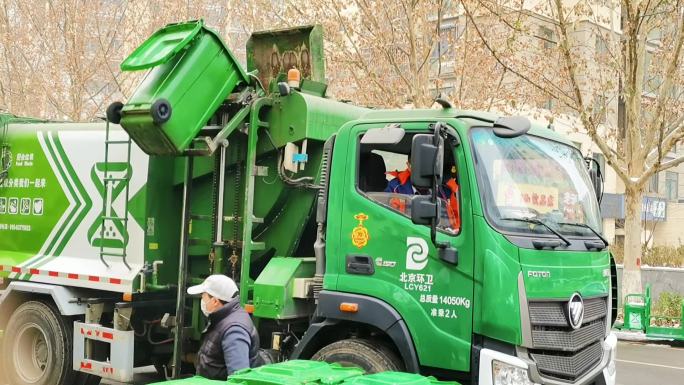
[{"x": 631, "y": 274}]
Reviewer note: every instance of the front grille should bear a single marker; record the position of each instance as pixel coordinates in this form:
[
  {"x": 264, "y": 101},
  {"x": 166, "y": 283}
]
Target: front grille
[
  {"x": 561, "y": 351},
  {"x": 553, "y": 313},
  {"x": 569, "y": 367},
  {"x": 559, "y": 339}
]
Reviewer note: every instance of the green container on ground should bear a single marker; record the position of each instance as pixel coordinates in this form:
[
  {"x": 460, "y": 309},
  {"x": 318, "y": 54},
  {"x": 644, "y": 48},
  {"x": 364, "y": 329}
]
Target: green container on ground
[
  {"x": 197, "y": 380},
  {"x": 395, "y": 378},
  {"x": 295, "y": 372},
  {"x": 302, "y": 372},
  {"x": 635, "y": 312},
  {"x": 191, "y": 72}
]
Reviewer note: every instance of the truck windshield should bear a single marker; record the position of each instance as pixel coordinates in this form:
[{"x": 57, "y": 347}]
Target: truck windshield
[{"x": 535, "y": 178}]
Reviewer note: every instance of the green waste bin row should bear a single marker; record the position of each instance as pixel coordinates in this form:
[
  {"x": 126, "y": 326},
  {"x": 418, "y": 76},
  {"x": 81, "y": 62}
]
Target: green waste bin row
[
  {"x": 301, "y": 372},
  {"x": 191, "y": 72}
]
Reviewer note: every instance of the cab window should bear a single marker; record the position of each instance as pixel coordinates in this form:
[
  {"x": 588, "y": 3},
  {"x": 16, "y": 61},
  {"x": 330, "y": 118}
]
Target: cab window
[{"x": 384, "y": 176}]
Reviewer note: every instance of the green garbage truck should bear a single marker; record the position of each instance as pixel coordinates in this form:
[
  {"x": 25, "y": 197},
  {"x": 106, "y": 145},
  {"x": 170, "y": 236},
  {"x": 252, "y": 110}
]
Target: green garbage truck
[{"x": 457, "y": 244}]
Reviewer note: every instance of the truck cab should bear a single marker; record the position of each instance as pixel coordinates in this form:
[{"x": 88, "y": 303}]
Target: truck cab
[{"x": 519, "y": 285}]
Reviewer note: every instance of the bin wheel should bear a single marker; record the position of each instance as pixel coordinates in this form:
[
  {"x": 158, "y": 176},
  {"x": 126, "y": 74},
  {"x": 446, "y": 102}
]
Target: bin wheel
[
  {"x": 373, "y": 357},
  {"x": 38, "y": 348},
  {"x": 114, "y": 112},
  {"x": 161, "y": 111}
]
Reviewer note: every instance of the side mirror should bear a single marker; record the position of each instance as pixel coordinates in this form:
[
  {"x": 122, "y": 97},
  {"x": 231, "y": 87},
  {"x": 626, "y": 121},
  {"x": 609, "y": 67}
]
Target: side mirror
[
  {"x": 596, "y": 177},
  {"x": 596, "y": 181},
  {"x": 426, "y": 160},
  {"x": 423, "y": 210}
]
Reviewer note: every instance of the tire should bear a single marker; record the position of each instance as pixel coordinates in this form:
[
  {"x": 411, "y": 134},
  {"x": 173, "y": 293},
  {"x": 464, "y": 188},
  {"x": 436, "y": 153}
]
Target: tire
[
  {"x": 373, "y": 357},
  {"x": 38, "y": 348},
  {"x": 114, "y": 112},
  {"x": 161, "y": 111}
]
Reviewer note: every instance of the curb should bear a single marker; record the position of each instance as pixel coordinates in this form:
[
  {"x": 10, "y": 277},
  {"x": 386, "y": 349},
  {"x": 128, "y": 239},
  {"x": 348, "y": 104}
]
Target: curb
[{"x": 631, "y": 336}]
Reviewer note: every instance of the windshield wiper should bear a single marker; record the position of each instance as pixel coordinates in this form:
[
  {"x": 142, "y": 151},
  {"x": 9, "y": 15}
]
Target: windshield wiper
[
  {"x": 539, "y": 222},
  {"x": 584, "y": 225}
]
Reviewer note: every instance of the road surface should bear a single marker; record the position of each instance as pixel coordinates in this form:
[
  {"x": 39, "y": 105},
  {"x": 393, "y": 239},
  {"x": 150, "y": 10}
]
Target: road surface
[{"x": 639, "y": 364}]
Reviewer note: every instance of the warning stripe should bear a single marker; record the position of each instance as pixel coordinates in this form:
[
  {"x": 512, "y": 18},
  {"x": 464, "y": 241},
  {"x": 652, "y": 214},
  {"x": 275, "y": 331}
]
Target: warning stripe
[{"x": 55, "y": 274}]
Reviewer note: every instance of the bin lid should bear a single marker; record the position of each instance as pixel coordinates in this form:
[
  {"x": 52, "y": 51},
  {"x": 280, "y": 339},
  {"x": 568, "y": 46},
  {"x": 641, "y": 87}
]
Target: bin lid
[
  {"x": 295, "y": 372},
  {"x": 167, "y": 42},
  {"x": 197, "y": 380},
  {"x": 162, "y": 45}
]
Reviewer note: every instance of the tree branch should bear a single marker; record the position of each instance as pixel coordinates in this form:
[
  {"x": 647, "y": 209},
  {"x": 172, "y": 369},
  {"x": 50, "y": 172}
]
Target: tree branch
[{"x": 587, "y": 120}]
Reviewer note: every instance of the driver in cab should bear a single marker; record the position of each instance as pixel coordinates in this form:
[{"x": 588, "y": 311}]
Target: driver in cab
[{"x": 448, "y": 191}]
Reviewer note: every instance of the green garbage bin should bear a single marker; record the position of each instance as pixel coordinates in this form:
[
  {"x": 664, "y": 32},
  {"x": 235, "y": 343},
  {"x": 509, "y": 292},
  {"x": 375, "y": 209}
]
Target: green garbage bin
[
  {"x": 295, "y": 372},
  {"x": 197, "y": 380},
  {"x": 303, "y": 372},
  {"x": 191, "y": 72},
  {"x": 635, "y": 312},
  {"x": 395, "y": 378}
]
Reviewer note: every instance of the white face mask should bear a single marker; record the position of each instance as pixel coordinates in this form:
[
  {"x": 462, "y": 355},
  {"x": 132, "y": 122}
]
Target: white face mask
[{"x": 203, "y": 307}]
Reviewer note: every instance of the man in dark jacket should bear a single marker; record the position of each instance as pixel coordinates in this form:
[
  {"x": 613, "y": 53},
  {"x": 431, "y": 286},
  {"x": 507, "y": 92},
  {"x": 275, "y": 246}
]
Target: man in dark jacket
[{"x": 230, "y": 342}]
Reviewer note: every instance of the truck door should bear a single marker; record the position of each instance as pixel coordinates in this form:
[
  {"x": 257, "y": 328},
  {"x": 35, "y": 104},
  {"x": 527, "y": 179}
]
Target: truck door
[{"x": 382, "y": 254}]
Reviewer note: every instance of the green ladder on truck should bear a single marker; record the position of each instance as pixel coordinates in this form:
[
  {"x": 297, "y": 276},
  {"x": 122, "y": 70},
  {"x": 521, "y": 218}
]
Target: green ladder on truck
[{"x": 117, "y": 185}]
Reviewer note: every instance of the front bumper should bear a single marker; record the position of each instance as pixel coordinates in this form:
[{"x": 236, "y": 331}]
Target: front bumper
[{"x": 603, "y": 374}]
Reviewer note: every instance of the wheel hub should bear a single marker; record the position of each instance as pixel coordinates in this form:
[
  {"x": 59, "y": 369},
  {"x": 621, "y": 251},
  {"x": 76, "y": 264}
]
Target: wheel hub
[{"x": 32, "y": 353}]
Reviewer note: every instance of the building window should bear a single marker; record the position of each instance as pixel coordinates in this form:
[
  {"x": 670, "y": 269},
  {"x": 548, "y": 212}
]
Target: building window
[
  {"x": 672, "y": 185},
  {"x": 601, "y": 46},
  {"x": 653, "y": 184},
  {"x": 600, "y": 108},
  {"x": 547, "y": 37},
  {"x": 548, "y": 104}
]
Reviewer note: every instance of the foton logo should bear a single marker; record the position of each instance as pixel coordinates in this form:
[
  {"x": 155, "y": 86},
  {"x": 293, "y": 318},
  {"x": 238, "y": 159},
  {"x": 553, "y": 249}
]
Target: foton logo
[
  {"x": 539, "y": 274},
  {"x": 416, "y": 253}
]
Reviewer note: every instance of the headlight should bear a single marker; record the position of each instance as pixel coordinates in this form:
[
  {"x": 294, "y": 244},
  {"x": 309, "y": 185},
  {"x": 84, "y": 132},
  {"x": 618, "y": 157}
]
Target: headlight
[{"x": 506, "y": 374}]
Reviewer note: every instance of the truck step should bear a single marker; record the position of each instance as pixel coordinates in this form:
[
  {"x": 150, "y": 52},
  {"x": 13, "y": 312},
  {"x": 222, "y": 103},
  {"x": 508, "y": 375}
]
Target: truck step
[
  {"x": 108, "y": 254},
  {"x": 117, "y": 141},
  {"x": 125, "y": 219},
  {"x": 239, "y": 219},
  {"x": 199, "y": 242}
]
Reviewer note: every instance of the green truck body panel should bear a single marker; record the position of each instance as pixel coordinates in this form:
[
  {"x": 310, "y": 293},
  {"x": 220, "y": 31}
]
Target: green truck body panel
[
  {"x": 274, "y": 289},
  {"x": 53, "y": 202}
]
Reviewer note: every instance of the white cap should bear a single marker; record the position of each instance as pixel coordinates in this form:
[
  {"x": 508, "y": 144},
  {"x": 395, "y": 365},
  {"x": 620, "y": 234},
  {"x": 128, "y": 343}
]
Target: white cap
[{"x": 218, "y": 286}]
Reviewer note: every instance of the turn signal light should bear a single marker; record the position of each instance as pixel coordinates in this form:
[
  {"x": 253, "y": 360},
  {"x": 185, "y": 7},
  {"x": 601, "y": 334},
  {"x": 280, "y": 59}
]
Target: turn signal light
[
  {"x": 249, "y": 308},
  {"x": 127, "y": 297},
  {"x": 349, "y": 307}
]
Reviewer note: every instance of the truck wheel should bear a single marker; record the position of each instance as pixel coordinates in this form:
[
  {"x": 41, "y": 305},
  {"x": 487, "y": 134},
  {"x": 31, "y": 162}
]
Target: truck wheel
[
  {"x": 38, "y": 348},
  {"x": 161, "y": 111},
  {"x": 114, "y": 112},
  {"x": 371, "y": 357}
]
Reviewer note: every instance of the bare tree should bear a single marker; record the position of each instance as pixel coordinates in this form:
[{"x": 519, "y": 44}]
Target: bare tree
[
  {"x": 604, "y": 55},
  {"x": 388, "y": 54},
  {"x": 61, "y": 58}
]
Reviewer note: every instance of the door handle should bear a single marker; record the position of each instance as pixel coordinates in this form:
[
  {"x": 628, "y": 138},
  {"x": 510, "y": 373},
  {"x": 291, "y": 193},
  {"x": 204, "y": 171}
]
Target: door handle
[{"x": 360, "y": 264}]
